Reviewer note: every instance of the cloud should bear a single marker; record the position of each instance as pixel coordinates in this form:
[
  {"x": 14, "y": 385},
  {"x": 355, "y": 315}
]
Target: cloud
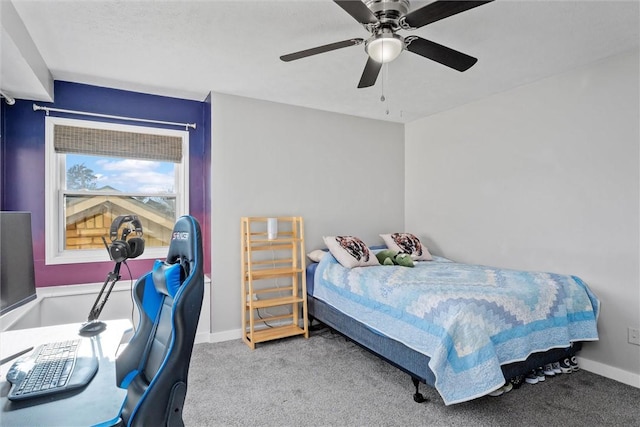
[{"x": 137, "y": 176}]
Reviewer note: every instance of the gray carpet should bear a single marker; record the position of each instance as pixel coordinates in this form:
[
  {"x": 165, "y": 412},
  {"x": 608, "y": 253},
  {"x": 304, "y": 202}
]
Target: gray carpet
[{"x": 327, "y": 380}]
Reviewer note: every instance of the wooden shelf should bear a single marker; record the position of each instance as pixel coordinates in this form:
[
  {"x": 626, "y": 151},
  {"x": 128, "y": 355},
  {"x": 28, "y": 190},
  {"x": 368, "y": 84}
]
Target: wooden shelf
[
  {"x": 272, "y": 273},
  {"x": 266, "y": 260},
  {"x": 274, "y": 302},
  {"x": 268, "y": 334}
]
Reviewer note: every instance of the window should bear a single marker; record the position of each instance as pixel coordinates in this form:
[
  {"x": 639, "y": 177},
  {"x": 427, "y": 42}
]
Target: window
[{"x": 97, "y": 171}]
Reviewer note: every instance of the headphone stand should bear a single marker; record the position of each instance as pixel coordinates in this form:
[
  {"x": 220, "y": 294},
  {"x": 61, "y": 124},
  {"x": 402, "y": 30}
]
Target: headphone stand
[
  {"x": 119, "y": 251},
  {"x": 93, "y": 326}
]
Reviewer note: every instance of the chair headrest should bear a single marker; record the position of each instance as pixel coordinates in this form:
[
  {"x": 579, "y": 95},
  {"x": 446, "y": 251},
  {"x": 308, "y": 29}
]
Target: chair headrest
[
  {"x": 185, "y": 240},
  {"x": 182, "y": 259}
]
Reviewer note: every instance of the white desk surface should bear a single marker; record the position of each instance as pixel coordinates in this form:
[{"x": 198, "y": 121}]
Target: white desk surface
[{"x": 99, "y": 401}]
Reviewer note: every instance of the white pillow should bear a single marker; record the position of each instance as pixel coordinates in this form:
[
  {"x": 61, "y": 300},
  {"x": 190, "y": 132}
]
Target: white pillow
[
  {"x": 350, "y": 251},
  {"x": 316, "y": 255},
  {"x": 407, "y": 243}
]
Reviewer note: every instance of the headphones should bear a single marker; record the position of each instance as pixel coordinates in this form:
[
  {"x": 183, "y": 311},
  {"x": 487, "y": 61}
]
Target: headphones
[{"x": 122, "y": 249}]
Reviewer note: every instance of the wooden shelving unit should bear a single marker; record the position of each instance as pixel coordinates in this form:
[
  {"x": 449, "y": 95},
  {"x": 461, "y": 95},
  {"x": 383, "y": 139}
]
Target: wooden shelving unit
[{"x": 273, "y": 277}]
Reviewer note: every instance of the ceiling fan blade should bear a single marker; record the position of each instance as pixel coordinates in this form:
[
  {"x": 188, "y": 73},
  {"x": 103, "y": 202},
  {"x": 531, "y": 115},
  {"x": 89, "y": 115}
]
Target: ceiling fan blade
[
  {"x": 358, "y": 10},
  {"x": 442, "y": 54},
  {"x": 436, "y": 11},
  {"x": 370, "y": 73},
  {"x": 320, "y": 49}
]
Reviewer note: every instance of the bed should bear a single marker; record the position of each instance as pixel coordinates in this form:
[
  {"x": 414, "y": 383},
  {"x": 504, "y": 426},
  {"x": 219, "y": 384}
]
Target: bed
[{"x": 462, "y": 329}]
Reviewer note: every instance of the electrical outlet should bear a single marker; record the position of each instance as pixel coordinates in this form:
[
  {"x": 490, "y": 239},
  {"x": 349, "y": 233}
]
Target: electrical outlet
[{"x": 634, "y": 336}]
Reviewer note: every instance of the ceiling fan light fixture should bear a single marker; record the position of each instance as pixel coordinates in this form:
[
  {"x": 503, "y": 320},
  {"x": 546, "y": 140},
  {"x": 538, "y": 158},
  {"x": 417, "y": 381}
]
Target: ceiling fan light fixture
[{"x": 384, "y": 47}]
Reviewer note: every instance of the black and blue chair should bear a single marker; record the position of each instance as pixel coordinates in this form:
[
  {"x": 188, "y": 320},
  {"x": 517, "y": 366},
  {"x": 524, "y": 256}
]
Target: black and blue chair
[{"x": 153, "y": 367}]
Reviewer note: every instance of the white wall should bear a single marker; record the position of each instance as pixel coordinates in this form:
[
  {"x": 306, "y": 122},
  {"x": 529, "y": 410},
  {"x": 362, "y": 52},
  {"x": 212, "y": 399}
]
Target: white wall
[
  {"x": 542, "y": 177},
  {"x": 342, "y": 174}
]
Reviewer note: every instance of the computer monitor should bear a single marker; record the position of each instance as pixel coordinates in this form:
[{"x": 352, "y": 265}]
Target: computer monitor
[{"x": 17, "y": 275}]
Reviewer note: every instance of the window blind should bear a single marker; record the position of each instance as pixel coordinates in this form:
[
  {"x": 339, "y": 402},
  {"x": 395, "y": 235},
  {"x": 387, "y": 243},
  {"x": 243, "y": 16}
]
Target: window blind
[{"x": 114, "y": 143}]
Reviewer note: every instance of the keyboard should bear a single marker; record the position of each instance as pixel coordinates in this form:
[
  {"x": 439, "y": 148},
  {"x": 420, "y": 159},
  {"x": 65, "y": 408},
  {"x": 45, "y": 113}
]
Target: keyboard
[{"x": 52, "y": 368}]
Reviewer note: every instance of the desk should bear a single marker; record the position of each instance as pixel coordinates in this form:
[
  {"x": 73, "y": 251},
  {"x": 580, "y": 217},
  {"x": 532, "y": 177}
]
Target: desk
[{"x": 99, "y": 401}]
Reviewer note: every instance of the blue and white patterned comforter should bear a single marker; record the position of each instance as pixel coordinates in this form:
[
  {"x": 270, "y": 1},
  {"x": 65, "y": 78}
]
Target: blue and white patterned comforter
[{"x": 469, "y": 319}]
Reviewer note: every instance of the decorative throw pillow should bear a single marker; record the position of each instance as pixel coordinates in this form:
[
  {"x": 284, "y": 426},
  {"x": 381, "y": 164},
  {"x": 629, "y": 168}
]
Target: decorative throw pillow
[
  {"x": 407, "y": 243},
  {"x": 316, "y": 255},
  {"x": 350, "y": 251}
]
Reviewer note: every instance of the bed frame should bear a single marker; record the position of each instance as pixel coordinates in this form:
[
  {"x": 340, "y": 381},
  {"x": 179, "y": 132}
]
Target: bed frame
[{"x": 402, "y": 357}]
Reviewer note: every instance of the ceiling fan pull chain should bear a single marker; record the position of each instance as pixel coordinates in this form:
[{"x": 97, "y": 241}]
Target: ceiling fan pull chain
[{"x": 383, "y": 99}]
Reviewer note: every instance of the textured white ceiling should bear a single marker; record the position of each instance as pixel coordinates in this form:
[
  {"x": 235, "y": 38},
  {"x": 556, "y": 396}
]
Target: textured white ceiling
[{"x": 189, "y": 48}]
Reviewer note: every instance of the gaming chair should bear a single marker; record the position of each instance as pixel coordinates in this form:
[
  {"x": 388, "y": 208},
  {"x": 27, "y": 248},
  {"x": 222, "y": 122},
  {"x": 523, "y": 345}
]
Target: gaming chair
[{"x": 153, "y": 367}]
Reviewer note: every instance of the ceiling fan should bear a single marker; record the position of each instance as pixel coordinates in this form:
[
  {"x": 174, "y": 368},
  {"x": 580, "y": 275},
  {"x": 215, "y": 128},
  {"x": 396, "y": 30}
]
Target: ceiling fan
[{"x": 383, "y": 18}]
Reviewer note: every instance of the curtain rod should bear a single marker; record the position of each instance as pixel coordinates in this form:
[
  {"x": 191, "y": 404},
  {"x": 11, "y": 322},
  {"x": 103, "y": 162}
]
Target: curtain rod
[
  {"x": 9, "y": 100},
  {"x": 107, "y": 116}
]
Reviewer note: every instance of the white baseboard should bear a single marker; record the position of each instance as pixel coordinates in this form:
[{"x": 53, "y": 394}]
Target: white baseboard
[
  {"x": 203, "y": 337},
  {"x": 610, "y": 372},
  {"x": 234, "y": 334}
]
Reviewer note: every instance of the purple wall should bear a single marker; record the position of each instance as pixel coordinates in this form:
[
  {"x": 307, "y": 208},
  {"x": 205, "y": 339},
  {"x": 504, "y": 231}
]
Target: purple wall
[{"x": 22, "y": 159}]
